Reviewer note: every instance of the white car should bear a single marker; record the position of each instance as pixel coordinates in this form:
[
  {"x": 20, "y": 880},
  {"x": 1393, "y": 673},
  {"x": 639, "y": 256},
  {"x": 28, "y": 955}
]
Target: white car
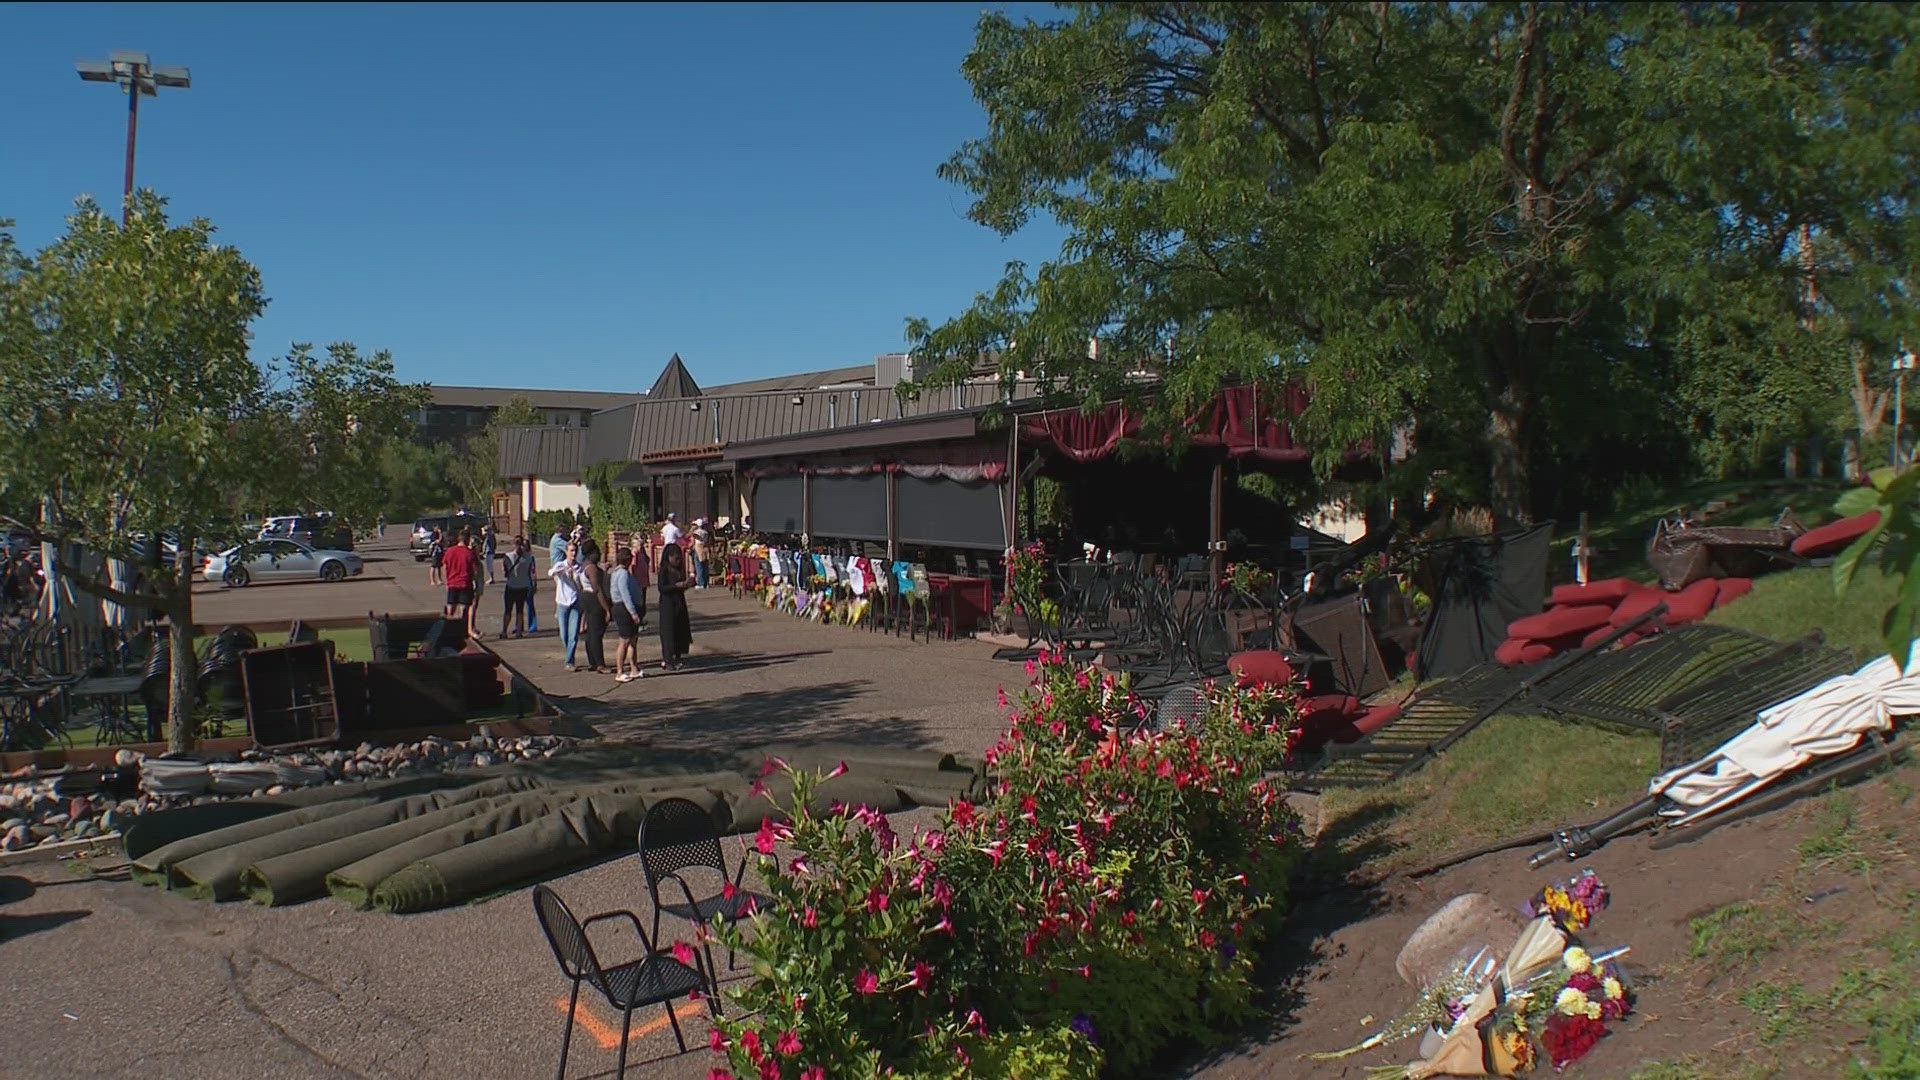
[{"x": 282, "y": 560}]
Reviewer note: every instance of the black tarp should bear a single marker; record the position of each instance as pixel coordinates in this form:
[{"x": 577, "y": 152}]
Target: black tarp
[
  {"x": 850, "y": 507},
  {"x": 951, "y": 513},
  {"x": 778, "y": 504},
  {"x": 1486, "y": 582}
]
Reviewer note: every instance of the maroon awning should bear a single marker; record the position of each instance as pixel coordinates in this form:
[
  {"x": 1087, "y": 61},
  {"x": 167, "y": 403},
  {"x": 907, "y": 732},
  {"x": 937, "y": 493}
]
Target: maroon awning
[{"x": 1241, "y": 419}]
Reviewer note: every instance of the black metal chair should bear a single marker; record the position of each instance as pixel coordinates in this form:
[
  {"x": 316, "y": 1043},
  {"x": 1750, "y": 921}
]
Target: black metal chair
[
  {"x": 654, "y": 979},
  {"x": 678, "y": 835}
]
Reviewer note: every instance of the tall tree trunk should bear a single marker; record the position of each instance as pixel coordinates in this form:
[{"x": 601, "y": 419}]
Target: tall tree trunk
[
  {"x": 1869, "y": 403},
  {"x": 1510, "y": 481},
  {"x": 180, "y": 686}
]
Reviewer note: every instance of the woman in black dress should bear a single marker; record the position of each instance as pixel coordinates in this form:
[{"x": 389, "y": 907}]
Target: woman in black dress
[{"x": 676, "y": 633}]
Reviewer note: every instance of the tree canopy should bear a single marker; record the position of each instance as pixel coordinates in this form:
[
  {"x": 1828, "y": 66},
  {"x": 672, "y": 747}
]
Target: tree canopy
[
  {"x": 124, "y": 362},
  {"x": 1529, "y": 231}
]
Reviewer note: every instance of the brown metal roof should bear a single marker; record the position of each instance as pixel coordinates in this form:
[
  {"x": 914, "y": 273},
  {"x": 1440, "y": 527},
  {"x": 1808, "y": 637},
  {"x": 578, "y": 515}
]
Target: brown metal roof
[
  {"x": 916, "y": 429},
  {"x": 492, "y": 397},
  {"x": 805, "y": 380},
  {"x": 546, "y": 451}
]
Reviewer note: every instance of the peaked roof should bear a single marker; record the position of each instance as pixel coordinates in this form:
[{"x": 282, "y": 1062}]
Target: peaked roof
[{"x": 674, "y": 381}]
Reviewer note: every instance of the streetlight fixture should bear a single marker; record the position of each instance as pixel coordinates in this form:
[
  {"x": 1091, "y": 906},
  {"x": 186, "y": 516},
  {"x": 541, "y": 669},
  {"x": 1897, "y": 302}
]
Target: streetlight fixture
[{"x": 135, "y": 74}]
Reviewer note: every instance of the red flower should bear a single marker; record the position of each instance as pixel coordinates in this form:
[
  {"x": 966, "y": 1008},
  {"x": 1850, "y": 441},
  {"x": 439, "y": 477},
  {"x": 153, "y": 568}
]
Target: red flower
[
  {"x": 683, "y": 952},
  {"x": 813, "y": 1072},
  {"x": 717, "y": 1041},
  {"x": 750, "y": 1042},
  {"x": 876, "y": 900},
  {"x": 838, "y": 770},
  {"x": 788, "y": 1044},
  {"x": 962, "y": 812},
  {"x": 727, "y": 890},
  {"x": 770, "y": 1068},
  {"x": 764, "y": 841},
  {"x": 719, "y": 1074},
  {"x": 922, "y": 974},
  {"x": 810, "y": 918},
  {"x": 1584, "y": 982},
  {"x": 866, "y": 982},
  {"x": 1568, "y": 1038}
]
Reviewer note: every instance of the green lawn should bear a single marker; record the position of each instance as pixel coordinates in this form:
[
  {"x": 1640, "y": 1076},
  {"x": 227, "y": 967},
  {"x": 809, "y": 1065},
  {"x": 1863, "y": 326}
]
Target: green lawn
[{"x": 1789, "y": 604}]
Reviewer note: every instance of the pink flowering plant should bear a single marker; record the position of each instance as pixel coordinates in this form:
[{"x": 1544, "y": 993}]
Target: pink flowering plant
[{"x": 1105, "y": 898}]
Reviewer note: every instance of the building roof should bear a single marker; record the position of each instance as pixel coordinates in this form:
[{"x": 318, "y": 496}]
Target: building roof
[
  {"x": 492, "y": 397},
  {"x": 548, "y": 451},
  {"x": 805, "y": 380},
  {"x": 674, "y": 381}
]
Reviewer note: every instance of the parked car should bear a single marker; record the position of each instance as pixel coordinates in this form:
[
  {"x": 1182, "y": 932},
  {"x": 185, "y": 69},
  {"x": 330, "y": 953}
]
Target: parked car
[
  {"x": 279, "y": 559},
  {"x": 314, "y": 530},
  {"x": 450, "y": 525}
]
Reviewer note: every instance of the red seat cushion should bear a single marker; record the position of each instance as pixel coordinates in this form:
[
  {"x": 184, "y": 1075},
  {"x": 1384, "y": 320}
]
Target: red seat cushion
[
  {"x": 1260, "y": 667},
  {"x": 1831, "y": 537},
  {"x": 1732, "y": 589},
  {"x": 1327, "y": 718},
  {"x": 1516, "y": 651},
  {"x": 1637, "y": 605},
  {"x": 1595, "y": 637},
  {"x": 1692, "y": 603},
  {"x": 1608, "y": 592},
  {"x": 1377, "y": 717},
  {"x": 1560, "y": 621}
]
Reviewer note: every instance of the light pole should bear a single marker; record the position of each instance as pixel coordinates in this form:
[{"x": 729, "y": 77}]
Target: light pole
[
  {"x": 1901, "y": 365},
  {"x": 136, "y": 75}
]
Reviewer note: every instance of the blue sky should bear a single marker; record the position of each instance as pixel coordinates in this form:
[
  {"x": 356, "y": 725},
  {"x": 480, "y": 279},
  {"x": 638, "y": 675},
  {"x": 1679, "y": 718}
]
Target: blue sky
[{"x": 545, "y": 196}]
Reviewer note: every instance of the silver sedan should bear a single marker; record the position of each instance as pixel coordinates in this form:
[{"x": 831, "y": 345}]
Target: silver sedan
[{"x": 281, "y": 560}]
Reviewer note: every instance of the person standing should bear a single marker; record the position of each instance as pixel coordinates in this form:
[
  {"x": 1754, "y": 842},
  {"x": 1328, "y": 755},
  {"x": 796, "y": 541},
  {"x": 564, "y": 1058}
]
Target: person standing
[
  {"x": 518, "y": 576},
  {"x": 596, "y": 607},
  {"x": 492, "y": 540},
  {"x": 557, "y": 549},
  {"x": 457, "y": 567},
  {"x": 702, "y": 536},
  {"x": 676, "y": 631},
  {"x": 670, "y": 532},
  {"x": 642, "y": 575},
  {"x": 566, "y": 599},
  {"x": 436, "y": 552},
  {"x": 626, "y": 618},
  {"x": 472, "y": 544},
  {"x": 383, "y": 526}
]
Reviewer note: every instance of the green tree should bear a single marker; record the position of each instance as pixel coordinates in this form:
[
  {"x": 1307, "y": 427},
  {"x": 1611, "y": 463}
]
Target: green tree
[
  {"x": 1483, "y": 219},
  {"x": 416, "y": 479},
  {"x": 124, "y": 361},
  {"x": 476, "y": 464}
]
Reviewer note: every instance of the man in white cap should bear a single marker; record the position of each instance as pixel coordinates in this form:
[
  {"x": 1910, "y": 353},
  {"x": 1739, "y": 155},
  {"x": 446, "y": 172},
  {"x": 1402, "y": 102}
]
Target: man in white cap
[{"x": 670, "y": 532}]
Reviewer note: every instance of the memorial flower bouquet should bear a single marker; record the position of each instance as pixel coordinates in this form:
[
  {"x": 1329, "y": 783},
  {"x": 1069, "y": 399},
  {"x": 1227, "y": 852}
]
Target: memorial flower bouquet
[
  {"x": 1573, "y": 905},
  {"x": 1249, "y": 578}
]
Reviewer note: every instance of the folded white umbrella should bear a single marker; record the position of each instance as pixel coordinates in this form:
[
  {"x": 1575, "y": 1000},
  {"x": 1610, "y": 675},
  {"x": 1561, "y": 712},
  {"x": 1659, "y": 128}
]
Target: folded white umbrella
[{"x": 1829, "y": 719}]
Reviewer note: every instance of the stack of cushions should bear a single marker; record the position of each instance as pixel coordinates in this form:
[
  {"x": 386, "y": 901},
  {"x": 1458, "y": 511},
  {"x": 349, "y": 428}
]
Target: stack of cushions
[
  {"x": 1324, "y": 718},
  {"x": 1833, "y": 538},
  {"x": 1583, "y": 615}
]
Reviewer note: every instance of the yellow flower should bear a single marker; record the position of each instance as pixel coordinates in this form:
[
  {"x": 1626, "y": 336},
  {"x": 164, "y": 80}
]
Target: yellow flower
[
  {"x": 1572, "y": 1002},
  {"x": 1577, "y": 960},
  {"x": 1613, "y": 989},
  {"x": 1593, "y": 1010}
]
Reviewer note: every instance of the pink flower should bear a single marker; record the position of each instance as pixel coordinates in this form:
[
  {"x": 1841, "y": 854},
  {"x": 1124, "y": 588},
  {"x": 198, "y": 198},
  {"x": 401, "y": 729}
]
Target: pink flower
[
  {"x": 764, "y": 841},
  {"x": 921, "y": 975},
  {"x": 997, "y": 849},
  {"x": 974, "y": 1020},
  {"x": 962, "y": 812},
  {"x": 877, "y": 901},
  {"x": 866, "y": 982},
  {"x": 813, "y": 1072},
  {"x": 770, "y": 1068},
  {"x": 798, "y": 866},
  {"x": 810, "y": 918},
  {"x": 683, "y": 952},
  {"x": 770, "y": 764},
  {"x": 727, "y": 890},
  {"x": 750, "y": 1042},
  {"x": 944, "y": 926},
  {"x": 788, "y": 1044},
  {"x": 716, "y": 1041},
  {"x": 838, "y": 770},
  {"x": 719, "y": 1074},
  {"x": 757, "y": 788}
]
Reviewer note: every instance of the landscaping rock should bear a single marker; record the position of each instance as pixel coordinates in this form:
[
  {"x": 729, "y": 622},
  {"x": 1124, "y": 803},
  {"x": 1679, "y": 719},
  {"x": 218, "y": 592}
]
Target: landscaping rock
[
  {"x": 15, "y": 839},
  {"x": 125, "y": 758},
  {"x": 1468, "y": 922}
]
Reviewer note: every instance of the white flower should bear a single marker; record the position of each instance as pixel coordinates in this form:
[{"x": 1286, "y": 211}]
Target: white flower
[
  {"x": 1577, "y": 960},
  {"x": 1572, "y": 1002}
]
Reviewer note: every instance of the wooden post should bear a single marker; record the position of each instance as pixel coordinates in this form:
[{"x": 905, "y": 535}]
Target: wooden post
[
  {"x": 806, "y": 508},
  {"x": 893, "y": 513},
  {"x": 1012, "y": 499},
  {"x": 1216, "y": 544}
]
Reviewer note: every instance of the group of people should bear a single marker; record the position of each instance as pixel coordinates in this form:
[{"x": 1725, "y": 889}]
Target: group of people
[
  {"x": 589, "y": 598},
  {"x": 20, "y": 581}
]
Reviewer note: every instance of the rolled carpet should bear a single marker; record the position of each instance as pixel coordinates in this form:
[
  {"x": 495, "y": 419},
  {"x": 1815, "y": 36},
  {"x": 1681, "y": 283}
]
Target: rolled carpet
[
  {"x": 574, "y": 833},
  {"x": 301, "y": 875},
  {"x": 215, "y": 874},
  {"x": 355, "y": 880},
  {"x": 154, "y": 867}
]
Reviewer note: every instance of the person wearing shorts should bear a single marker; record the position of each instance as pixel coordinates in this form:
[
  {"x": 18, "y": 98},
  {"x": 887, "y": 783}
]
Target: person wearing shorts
[
  {"x": 626, "y": 618},
  {"x": 457, "y": 566}
]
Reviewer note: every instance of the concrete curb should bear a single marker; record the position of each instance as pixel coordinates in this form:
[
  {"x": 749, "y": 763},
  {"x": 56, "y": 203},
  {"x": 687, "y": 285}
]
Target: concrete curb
[{"x": 52, "y": 852}]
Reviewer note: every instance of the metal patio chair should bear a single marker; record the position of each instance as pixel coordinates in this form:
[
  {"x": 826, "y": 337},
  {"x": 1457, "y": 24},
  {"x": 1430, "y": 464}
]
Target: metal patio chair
[
  {"x": 678, "y": 835},
  {"x": 656, "y": 978}
]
